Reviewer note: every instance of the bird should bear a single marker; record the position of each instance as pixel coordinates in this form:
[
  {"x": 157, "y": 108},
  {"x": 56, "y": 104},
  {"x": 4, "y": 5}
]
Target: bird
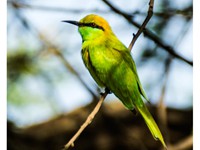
[{"x": 111, "y": 65}]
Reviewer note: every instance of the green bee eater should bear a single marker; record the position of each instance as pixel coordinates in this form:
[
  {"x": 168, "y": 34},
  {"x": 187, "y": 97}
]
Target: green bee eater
[{"x": 110, "y": 63}]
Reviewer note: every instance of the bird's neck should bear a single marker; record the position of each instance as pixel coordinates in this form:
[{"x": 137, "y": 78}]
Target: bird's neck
[
  {"x": 103, "y": 40},
  {"x": 90, "y": 43}
]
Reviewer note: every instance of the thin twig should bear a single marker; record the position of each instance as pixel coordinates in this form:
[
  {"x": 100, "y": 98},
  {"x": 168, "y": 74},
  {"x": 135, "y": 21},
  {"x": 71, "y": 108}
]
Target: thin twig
[
  {"x": 141, "y": 29},
  {"x": 149, "y": 34},
  {"x": 87, "y": 122}
]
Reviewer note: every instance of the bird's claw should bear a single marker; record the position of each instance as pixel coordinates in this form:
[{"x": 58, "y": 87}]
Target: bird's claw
[
  {"x": 106, "y": 91},
  {"x": 134, "y": 111}
]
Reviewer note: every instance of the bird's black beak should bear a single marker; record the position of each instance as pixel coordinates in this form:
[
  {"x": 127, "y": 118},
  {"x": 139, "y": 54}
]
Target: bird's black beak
[{"x": 72, "y": 22}]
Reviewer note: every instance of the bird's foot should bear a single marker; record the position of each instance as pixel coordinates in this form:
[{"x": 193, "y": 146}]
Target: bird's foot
[
  {"x": 106, "y": 91},
  {"x": 134, "y": 111}
]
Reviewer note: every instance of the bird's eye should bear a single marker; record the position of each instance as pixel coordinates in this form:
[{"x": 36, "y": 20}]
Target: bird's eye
[{"x": 93, "y": 24}]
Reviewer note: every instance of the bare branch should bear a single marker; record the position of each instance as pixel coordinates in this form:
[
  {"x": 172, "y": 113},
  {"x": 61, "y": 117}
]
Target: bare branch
[
  {"x": 141, "y": 29},
  {"x": 149, "y": 34},
  {"x": 87, "y": 122}
]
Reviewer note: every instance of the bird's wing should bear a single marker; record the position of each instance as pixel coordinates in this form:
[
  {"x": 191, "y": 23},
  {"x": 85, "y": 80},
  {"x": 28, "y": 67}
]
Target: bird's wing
[
  {"x": 87, "y": 61},
  {"x": 126, "y": 56}
]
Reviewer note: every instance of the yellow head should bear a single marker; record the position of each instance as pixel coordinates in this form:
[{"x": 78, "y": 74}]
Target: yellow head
[{"x": 92, "y": 27}]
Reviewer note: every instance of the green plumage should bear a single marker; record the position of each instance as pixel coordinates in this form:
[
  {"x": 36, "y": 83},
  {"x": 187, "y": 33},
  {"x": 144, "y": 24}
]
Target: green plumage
[{"x": 111, "y": 65}]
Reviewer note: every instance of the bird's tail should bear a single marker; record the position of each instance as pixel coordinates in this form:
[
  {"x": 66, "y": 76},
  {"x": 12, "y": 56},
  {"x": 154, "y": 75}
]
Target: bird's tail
[{"x": 155, "y": 131}]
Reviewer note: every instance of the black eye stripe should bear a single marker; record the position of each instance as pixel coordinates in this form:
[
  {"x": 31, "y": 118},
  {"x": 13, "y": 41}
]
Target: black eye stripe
[{"x": 93, "y": 25}]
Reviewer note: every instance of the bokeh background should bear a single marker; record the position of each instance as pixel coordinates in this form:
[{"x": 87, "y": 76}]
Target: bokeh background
[{"x": 47, "y": 78}]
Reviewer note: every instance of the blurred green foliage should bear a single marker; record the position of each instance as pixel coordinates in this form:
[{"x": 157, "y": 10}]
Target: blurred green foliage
[{"x": 20, "y": 62}]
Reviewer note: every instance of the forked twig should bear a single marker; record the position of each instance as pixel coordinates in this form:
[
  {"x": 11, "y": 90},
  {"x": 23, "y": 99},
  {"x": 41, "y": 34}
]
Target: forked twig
[
  {"x": 150, "y": 34},
  {"x": 141, "y": 29},
  {"x": 97, "y": 107}
]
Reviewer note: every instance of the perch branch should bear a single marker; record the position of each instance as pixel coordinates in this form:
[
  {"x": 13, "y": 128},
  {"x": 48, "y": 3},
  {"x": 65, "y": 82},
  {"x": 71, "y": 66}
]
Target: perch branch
[{"x": 87, "y": 122}]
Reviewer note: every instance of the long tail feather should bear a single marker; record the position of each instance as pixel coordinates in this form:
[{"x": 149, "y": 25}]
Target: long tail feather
[{"x": 151, "y": 123}]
